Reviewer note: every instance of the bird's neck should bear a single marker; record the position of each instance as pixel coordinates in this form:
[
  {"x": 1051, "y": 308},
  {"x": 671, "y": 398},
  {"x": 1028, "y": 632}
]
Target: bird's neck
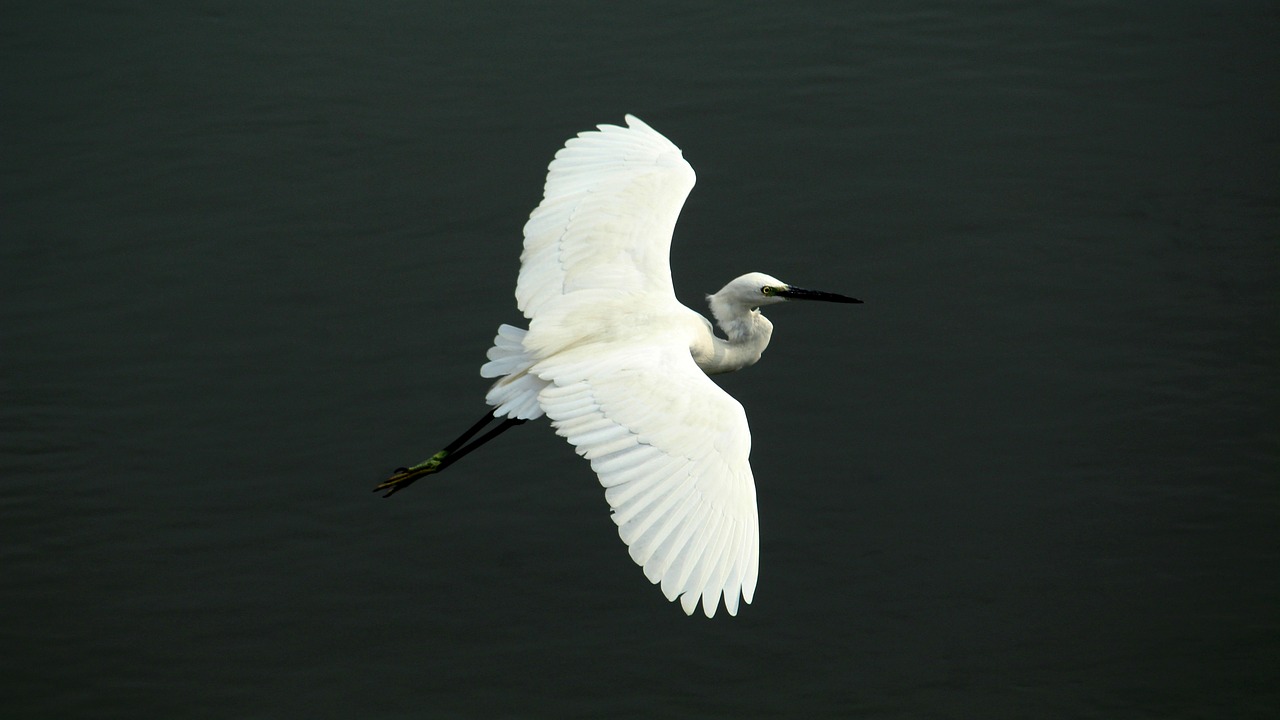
[{"x": 747, "y": 334}]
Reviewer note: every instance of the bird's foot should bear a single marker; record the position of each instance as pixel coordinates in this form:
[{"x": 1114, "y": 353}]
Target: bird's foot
[{"x": 404, "y": 477}]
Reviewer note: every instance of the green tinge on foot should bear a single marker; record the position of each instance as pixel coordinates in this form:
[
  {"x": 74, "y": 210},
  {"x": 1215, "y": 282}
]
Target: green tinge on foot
[{"x": 432, "y": 463}]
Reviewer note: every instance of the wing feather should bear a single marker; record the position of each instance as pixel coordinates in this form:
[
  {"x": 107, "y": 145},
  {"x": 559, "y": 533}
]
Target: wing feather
[
  {"x": 671, "y": 448},
  {"x": 609, "y": 207}
]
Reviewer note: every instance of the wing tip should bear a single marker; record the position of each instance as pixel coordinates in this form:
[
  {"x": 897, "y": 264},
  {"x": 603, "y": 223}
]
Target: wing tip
[
  {"x": 635, "y": 122},
  {"x": 711, "y": 602}
]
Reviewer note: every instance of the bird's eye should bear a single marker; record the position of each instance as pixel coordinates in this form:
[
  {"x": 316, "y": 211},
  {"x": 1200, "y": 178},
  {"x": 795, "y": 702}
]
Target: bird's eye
[{"x": 768, "y": 290}]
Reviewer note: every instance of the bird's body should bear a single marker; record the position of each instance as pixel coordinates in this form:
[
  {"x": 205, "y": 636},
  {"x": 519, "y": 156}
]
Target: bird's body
[{"x": 621, "y": 367}]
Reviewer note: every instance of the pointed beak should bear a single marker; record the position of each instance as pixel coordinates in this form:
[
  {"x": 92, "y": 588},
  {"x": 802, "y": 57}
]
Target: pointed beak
[{"x": 795, "y": 293}]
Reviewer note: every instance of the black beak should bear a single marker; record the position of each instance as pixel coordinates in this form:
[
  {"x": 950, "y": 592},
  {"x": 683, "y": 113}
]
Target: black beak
[{"x": 795, "y": 293}]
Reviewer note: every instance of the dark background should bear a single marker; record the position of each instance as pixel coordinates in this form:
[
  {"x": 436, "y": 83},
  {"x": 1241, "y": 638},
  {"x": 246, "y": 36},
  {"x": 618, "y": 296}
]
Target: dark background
[{"x": 253, "y": 254}]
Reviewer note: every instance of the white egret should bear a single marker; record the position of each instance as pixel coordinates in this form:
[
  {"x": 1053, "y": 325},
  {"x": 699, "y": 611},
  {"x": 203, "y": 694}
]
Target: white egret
[{"x": 620, "y": 366}]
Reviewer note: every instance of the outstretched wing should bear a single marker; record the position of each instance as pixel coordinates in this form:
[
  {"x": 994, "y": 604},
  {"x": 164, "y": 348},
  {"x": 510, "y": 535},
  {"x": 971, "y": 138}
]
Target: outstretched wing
[
  {"x": 611, "y": 342},
  {"x": 671, "y": 448},
  {"x": 609, "y": 206}
]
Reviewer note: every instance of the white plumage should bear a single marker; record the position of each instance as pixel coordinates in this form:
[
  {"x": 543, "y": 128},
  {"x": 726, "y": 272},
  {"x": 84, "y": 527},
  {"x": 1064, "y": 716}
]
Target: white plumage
[
  {"x": 609, "y": 343},
  {"x": 621, "y": 367}
]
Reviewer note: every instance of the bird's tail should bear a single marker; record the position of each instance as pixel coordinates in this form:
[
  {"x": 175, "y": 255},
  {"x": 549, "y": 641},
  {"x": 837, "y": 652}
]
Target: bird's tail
[{"x": 515, "y": 394}]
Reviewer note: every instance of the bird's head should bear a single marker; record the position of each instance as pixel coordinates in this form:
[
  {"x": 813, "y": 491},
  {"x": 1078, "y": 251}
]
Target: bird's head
[{"x": 756, "y": 289}]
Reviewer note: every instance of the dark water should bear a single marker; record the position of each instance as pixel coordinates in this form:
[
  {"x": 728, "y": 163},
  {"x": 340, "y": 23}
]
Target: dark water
[{"x": 252, "y": 257}]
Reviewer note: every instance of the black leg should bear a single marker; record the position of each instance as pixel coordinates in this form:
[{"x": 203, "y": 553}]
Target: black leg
[
  {"x": 471, "y": 431},
  {"x": 456, "y": 455},
  {"x": 454, "y": 451}
]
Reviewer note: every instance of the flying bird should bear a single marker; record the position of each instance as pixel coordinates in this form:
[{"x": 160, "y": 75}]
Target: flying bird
[{"x": 621, "y": 367}]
